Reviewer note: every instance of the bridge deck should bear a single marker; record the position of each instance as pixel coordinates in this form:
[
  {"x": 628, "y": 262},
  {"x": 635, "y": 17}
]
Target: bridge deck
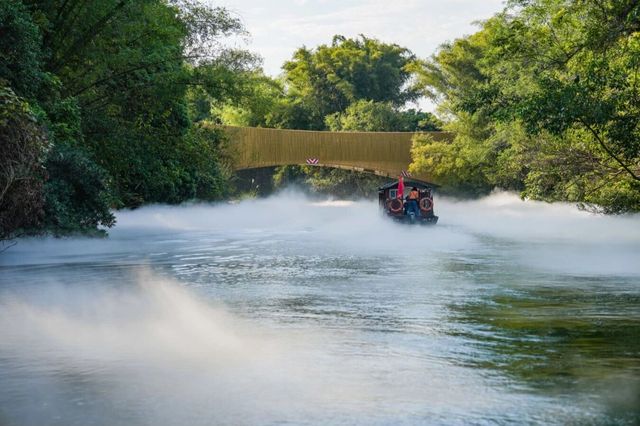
[{"x": 382, "y": 153}]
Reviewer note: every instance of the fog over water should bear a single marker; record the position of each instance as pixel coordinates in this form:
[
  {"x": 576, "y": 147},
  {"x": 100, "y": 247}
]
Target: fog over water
[{"x": 290, "y": 310}]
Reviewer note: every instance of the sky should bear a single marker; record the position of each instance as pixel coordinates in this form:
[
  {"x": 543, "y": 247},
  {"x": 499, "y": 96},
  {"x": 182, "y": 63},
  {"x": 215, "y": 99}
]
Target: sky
[{"x": 278, "y": 27}]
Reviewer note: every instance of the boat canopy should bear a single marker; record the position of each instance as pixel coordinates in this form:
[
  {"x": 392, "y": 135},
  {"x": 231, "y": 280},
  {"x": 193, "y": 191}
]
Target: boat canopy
[{"x": 408, "y": 183}]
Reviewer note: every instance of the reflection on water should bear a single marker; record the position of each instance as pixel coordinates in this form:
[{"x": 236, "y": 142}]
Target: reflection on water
[
  {"x": 288, "y": 311},
  {"x": 581, "y": 341}
]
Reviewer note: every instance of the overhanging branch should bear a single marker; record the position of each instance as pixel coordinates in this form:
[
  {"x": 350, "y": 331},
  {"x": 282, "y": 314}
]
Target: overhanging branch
[{"x": 609, "y": 151}]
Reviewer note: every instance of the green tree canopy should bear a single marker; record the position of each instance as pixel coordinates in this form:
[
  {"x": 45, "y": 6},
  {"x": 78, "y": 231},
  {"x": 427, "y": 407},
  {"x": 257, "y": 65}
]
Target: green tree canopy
[
  {"x": 370, "y": 116},
  {"x": 110, "y": 81},
  {"x": 23, "y": 150},
  {"x": 329, "y": 78},
  {"x": 564, "y": 73}
]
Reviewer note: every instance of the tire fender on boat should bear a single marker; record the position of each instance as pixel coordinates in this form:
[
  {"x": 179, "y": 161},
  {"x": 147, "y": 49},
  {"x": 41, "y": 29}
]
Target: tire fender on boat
[
  {"x": 426, "y": 204},
  {"x": 395, "y": 205}
]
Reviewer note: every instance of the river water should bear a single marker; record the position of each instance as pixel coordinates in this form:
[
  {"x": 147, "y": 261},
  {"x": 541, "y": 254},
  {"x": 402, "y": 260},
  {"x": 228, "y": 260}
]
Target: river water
[{"x": 295, "y": 311}]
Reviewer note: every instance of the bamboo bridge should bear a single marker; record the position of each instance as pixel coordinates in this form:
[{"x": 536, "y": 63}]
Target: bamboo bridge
[{"x": 380, "y": 153}]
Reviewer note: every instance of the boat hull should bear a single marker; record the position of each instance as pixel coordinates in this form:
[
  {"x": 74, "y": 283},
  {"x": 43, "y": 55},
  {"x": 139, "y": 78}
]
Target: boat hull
[{"x": 409, "y": 220}]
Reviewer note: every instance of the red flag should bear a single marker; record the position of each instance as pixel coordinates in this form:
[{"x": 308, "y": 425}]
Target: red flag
[{"x": 400, "y": 187}]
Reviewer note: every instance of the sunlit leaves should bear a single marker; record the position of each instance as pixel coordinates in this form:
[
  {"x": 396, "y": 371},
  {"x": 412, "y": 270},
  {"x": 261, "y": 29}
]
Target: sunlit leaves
[
  {"x": 380, "y": 116},
  {"x": 205, "y": 27},
  {"x": 109, "y": 80},
  {"x": 329, "y": 78},
  {"x": 567, "y": 71}
]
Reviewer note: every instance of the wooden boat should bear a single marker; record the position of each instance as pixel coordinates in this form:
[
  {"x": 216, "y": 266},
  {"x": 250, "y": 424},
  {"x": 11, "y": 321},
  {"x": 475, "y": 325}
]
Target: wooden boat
[{"x": 395, "y": 206}]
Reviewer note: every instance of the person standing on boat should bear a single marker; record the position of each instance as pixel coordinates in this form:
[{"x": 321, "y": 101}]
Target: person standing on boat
[{"x": 412, "y": 202}]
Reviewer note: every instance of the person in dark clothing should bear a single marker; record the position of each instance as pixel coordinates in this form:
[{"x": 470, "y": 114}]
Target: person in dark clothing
[{"x": 412, "y": 202}]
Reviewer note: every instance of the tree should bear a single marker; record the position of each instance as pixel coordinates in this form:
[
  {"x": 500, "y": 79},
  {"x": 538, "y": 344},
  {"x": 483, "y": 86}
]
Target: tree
[
  {"x": 583, "y": 90},
  {"x": 130, "y": 83},
  {"x": 20, "y": 50},
  {"x": 107, "y": 82},
  {"x": 328, "y": 79},
  {"x": 256, "y": 102},
  {"x": 566, "y": 73},
  {"x": 77, "y": 194},
  {"x": 23, "y": 149},
  {"x": 587, "y": 77},
  {"x": 454, "y": 78},
  {"x": 370, "y": 116}
]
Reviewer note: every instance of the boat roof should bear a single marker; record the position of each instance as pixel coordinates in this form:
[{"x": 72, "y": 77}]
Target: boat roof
[{"x": 408, "y": 183}]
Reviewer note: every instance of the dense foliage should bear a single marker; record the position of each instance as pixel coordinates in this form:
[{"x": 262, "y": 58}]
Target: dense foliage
[
  {"x": 371, "y": 116},
  {"x": 544, "y": 99},
  {"x": 111, "y": 89},
  {"x": 23, "y": 149},
  {"x": 329, "y": 78}
]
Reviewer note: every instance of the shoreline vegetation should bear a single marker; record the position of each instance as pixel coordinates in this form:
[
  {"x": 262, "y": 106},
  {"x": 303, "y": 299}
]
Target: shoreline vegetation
[{"x": 111, "y": 104}]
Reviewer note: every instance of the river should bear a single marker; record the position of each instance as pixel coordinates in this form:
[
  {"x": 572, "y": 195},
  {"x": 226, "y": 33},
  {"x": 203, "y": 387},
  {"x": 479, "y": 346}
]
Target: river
[{"x": 290, "y": 310}]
